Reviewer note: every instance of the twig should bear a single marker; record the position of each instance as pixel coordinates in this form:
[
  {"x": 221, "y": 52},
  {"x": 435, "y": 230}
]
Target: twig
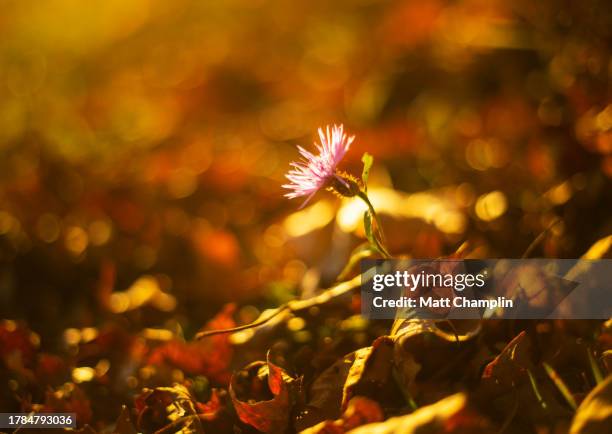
[
  {"x": 293, "y": 306},
  {"x": 539, "y": 239},
  {"x": 256, "y": 323}
]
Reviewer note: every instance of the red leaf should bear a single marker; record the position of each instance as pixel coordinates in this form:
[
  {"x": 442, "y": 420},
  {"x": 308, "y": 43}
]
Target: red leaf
[
  {"x": 248, "y": 396},
  {"x": 210, "y": 356}
]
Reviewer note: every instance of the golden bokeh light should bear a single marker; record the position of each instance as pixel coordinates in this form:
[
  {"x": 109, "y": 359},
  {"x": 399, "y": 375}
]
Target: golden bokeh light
[
  {"x": 491, "y": 206},
  {"x": 76, "y": 240},
  {"x": 145, "y": 290},
  {"x": 48, "y": 227},
  {"x": 144, "y": 153},
  {"x": 83, "y": 374},
  {"x": 100, "y": 232},
  {"x": 431, "y": 207},
  {"x": 309, "y": 219}
]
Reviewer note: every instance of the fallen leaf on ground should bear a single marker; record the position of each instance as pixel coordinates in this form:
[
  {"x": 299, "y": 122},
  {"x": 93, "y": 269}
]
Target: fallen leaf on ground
[
  {"x": 262, "y": 394},
  {"x": 594, "y": 415},
  {"x": 167, "y": 406},
  {"x": 449, "y": 415},
  {"x": 360, "y": 411}
]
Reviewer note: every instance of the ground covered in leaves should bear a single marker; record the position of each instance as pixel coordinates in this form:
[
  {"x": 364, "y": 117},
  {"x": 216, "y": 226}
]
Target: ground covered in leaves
[
  {"x": 414, "y": 376},
  {"x": 143, "y": 145}
]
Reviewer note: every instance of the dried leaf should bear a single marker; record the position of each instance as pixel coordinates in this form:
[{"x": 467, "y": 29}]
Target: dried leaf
[
  {"x": 210, "y": 409},
  {"x": 406, "y": 369},
  {"x": 455, "y": 330},
  {"x": 325, "y": 393},
  {"x": 371, "y": 370},
  {"x": 366, "y": 372},
  {"x": 594, "y": 415},
  {"x": 266, "y": 415},
  {"x": 511, "y": 363},
  {"x": 512, "y": 380},
  {"x": 167, "y": 407},
  {"x": 360, "y": 411},
  {"x": 429, "y": 348},
  {"x": 450, "y": 415},
  {"x": 599, "y": 249}
]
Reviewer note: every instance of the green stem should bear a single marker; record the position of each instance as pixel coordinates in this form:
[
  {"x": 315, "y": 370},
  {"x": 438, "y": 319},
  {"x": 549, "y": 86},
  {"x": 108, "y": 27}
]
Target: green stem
[
  {"x": 560, "y": 385},
  {"x": 380, "y": 240},
  {"x": 594, "y": 367},
  {"x": 536, "y": 390}
]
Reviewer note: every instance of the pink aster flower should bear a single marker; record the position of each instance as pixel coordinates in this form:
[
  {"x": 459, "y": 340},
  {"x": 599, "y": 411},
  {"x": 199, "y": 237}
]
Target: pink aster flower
[{"x": 314, "y": 172}]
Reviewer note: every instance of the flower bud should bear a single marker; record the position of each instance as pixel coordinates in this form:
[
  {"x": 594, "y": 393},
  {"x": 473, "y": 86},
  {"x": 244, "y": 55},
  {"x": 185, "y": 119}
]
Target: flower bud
[{"x": 344, "y": 185}]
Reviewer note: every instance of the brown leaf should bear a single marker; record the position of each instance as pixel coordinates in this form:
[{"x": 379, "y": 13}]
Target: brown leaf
[
  {"x": 447, "y": 330},
  {"x": 511, "y": 363},
  {"x": 594, "y": 415},
  {"x": 512, "y": 380},
  {"x": 370, "y": 370},
  {"x": 450, "y": 415},
  {"x": 354, "y": 373},
  {"x": 167, "y": 407},
  {"x": 325, "y": 393},
  {"x": 262, "y": 395},
  {"x": 366, "y": 372},
  {"x": 360, "y": 411},
  {"x": 430, "y": 347},
  {"x": 405, "y": 367}
]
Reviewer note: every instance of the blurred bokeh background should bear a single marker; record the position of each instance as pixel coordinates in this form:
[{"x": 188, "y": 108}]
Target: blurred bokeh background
[{"x": 143, "y": 144}]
